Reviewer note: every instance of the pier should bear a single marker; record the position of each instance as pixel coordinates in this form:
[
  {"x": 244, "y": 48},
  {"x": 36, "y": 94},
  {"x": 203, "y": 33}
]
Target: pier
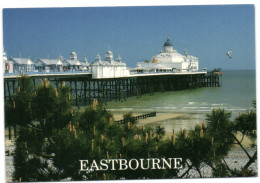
[
  {"x": 84, "y": 88},
  {"x": 110, "y": 80}
]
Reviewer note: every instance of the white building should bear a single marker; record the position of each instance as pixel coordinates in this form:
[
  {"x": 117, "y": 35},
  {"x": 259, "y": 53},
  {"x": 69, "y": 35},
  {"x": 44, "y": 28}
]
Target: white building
[
  {"x": 21, "y": 64},
  {"x": 109, "y": 68},
  {"x": 170, "y": 58},
  {"x": 8, "y": 65},
  {"x": 73, "y": 64},
  {"x": 48, "y": 65},
  {"x": 84, "y": 65}
]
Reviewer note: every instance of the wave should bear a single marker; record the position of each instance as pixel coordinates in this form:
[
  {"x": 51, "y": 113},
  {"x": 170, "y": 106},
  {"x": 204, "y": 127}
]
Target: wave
[
  {"x": 204, "y": 110},
  {"x": 217, "y": 104},
  {"x": 191, "y": 103},
  {"x": 165, "y": 107},
  {"x": 190, "y": 107}
]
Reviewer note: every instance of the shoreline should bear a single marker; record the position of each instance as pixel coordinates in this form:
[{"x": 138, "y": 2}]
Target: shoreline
[
  {"x": 170, "y": 121},
  {"x": 174, "y": 118}
]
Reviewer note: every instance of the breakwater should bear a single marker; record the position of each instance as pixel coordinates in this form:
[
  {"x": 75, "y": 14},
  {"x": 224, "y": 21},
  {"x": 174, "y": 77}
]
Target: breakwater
[{"x": 143, "y": 116}]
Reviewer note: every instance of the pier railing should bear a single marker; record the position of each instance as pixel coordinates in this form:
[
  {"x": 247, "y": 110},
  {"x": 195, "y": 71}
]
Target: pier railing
[{"x": 17, "y": 74}]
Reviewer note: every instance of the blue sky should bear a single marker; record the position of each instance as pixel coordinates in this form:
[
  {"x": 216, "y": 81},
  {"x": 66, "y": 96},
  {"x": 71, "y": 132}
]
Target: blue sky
[{"x": 135, "y": 33}]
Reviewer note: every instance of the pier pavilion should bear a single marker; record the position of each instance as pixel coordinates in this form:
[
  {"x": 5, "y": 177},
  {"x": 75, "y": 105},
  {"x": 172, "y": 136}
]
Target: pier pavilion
[
  {"x": 109, "y": 79},
  {"x": 170, "y": 59}
]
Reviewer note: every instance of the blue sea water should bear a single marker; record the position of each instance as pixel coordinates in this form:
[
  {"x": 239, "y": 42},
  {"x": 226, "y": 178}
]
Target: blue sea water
[{"x": 236, "y": 95}]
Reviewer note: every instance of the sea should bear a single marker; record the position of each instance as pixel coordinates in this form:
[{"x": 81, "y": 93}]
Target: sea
[{"x": 236, "y": 95}]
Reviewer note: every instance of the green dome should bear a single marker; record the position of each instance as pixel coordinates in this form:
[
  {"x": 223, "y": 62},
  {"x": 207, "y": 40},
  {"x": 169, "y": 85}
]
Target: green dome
[{"x": 168, "y": 42}]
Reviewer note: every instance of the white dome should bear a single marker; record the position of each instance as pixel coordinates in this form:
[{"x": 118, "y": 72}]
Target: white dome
[
  {"x": 109, "y": 52},
  {"x": 85, "y": 59},
  {"x": 98, "y": 57},
  {"x": 119, "y": 59},
  {"x": 4, "y": 56},
  {"x": 73, "y": 56},
  {"x": 109, "y": 56}
]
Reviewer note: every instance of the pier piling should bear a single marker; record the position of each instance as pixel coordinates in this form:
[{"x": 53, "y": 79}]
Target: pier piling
[{"x": 84, "y": 88}]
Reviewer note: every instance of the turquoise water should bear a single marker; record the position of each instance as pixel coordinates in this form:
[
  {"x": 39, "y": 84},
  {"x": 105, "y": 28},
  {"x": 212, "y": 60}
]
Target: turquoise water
[{"x": 236, "y": 95}]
